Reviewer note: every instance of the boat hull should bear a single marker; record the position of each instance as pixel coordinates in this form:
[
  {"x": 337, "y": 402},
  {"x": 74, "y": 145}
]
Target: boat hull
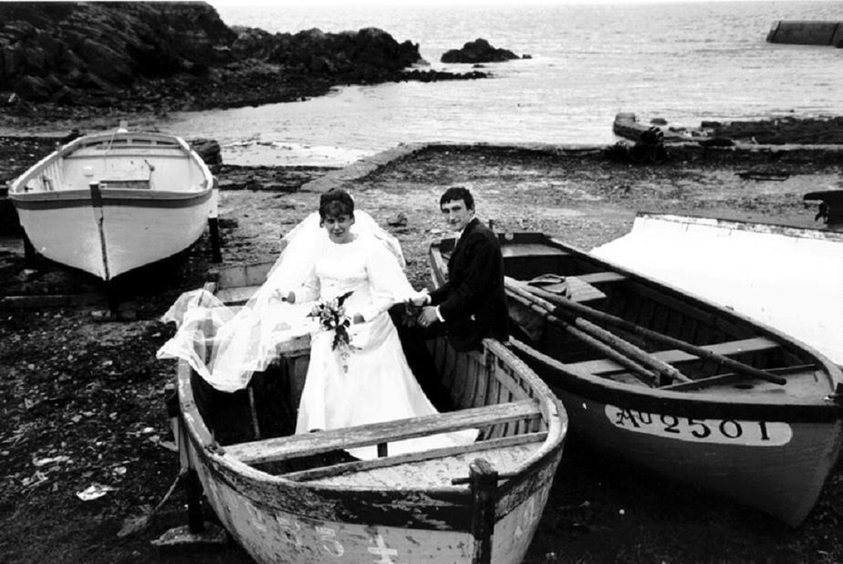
[
  {"x": 272, "y": 534},
  {"x": 769, "y": 445},
  {"x": 775, "y": 466},
  {"x": 109, "y": 203},
  {"x": 131, "y": 233}
]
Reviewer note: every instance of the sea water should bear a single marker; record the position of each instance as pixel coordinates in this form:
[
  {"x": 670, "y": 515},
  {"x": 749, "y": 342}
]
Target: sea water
[{"x": 683, "y": 61}]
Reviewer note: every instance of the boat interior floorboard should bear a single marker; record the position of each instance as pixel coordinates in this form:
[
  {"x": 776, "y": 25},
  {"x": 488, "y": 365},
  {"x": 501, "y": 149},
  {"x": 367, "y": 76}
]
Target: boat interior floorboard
[{"x": 431, "y": 468}]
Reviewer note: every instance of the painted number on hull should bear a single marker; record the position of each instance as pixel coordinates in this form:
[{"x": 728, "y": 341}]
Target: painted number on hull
[
  {"x": 329, "y": 541},
  {"x": 293, "y": 532},
  {"x": 717, "y": 431}
]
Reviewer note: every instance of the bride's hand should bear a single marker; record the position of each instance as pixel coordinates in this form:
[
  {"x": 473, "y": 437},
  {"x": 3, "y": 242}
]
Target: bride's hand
[
  {"x": 420, "y": 298},
  {"x": 289, "y": 297}
]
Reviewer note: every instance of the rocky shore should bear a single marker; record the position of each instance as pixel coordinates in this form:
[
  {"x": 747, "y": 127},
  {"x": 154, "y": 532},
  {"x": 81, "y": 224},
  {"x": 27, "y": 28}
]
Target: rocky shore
[{"x": 82, "y": 60}]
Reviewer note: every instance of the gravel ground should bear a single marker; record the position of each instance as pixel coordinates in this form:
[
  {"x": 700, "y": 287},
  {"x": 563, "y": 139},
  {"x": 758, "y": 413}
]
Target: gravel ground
[{"x": 82, "y": 397}]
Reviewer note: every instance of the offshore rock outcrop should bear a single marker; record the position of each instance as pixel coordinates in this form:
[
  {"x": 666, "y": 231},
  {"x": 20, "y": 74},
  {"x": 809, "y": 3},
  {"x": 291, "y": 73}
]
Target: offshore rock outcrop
[
  {"x": 478, "y": 51},
  {"x": 161, "y": 56}
]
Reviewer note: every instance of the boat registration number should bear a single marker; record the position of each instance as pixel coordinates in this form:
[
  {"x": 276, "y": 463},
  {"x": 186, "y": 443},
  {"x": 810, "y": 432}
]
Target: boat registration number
[{"x": 717, "y": 431}]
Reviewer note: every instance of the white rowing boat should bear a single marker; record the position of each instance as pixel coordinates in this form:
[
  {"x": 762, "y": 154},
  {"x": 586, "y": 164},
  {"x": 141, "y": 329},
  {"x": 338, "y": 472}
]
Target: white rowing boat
[{"x": 110, "y": 202}]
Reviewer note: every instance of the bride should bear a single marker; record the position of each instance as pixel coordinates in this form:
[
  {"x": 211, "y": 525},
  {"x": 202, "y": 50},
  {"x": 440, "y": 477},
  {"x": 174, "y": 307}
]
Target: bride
[{"x": 339, "y": 257}]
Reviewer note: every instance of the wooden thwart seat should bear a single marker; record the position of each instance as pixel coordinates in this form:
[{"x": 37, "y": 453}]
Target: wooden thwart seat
[
  {"x": 732, "y": 378},
  {"x": 297, "y": 446},
  {"x": 125, "y": 183},
  {"x": 601, "y": 277},
  {"x": 729, "y": 348},
  {"x": 528, "y": 250}
]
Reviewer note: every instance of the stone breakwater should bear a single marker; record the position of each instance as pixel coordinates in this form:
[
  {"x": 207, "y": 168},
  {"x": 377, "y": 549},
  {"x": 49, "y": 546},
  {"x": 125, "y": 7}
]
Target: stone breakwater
[
  {"x": 785, "y": 131},
  {"x": 807, "y": 33}
]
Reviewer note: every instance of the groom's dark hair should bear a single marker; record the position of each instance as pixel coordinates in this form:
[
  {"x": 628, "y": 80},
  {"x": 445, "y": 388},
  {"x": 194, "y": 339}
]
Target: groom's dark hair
[
  {"x": 335, "y": 202},
  {"x": 458, "y": 193}
]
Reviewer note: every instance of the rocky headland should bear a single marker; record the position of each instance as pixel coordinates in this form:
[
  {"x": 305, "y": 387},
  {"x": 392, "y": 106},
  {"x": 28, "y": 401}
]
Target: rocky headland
[{"x": 66, "y": 59}]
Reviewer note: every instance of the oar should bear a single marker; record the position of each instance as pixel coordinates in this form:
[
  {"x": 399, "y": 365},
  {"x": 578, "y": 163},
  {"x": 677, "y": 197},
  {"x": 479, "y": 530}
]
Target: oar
[
  {"x": 644, "y": 375},
  {"x": 619, "y": 345},
  {"x": 621, "y": 323}
]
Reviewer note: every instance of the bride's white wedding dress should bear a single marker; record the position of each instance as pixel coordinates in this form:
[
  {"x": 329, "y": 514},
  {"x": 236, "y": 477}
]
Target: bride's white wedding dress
[{"x": 372, "y": 384}]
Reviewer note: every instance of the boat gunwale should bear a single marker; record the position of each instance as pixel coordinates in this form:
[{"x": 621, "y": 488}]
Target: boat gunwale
[
  {"x": 251, "y": 275},
  {"x": 113, "y": 197},
  {"x": 15, "y": 187},
  {"x": 816, "y": 233},
  {"x": 695, "y": 405}
]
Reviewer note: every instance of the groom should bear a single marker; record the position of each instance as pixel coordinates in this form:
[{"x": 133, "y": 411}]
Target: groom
[{"x": 471, "y": 305}]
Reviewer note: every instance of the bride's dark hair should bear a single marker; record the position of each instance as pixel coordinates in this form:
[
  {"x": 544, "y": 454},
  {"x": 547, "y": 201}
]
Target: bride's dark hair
[{"x": 335, "y": 202}]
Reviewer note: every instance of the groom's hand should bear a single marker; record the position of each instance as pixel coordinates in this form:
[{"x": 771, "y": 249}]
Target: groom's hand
[{"x": 428, "y": 316}]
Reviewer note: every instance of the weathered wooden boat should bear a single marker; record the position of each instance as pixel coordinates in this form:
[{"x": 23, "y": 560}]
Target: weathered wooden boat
[
  {"x": 296, "y": 499},
  {"x": 653, "y": 376},
  {"x": 626, "y": 125},
  {"x": 110, "y": 202}
]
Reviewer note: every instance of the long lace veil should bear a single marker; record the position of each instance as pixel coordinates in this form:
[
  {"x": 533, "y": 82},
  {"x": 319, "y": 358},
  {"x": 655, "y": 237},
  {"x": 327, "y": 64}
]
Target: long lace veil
[{"x": 226, "y": 345}]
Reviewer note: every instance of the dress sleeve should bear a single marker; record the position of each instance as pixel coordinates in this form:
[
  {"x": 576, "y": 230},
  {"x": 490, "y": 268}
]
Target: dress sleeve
[
  {"x": 309, "y": 290},
  {"x": 388, "y": 282}
]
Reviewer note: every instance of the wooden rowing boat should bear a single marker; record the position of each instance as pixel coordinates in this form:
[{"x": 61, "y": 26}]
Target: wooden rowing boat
[
  {"x": 626, "y": 125},
  {"x": 671, "y": 383},
  {"x": 295, "y": 499},
  {"x": 110, "y": 202}
]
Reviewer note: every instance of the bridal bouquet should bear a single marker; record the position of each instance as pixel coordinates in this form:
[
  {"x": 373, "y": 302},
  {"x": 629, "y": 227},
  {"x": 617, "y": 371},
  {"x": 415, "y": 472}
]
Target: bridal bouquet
[{"x": 332, "y": 317}]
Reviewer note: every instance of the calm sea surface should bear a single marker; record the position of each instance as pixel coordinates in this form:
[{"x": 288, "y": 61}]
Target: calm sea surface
[{"x": 684, "y": 62}]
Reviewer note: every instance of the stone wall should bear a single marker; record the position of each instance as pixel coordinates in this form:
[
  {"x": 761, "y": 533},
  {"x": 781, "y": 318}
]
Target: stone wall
[{"x": 807, "y": 33}]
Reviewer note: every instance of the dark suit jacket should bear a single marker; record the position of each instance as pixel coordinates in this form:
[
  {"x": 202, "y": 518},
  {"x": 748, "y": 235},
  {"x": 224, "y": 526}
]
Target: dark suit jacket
[{"x": 473, "y": 301}]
